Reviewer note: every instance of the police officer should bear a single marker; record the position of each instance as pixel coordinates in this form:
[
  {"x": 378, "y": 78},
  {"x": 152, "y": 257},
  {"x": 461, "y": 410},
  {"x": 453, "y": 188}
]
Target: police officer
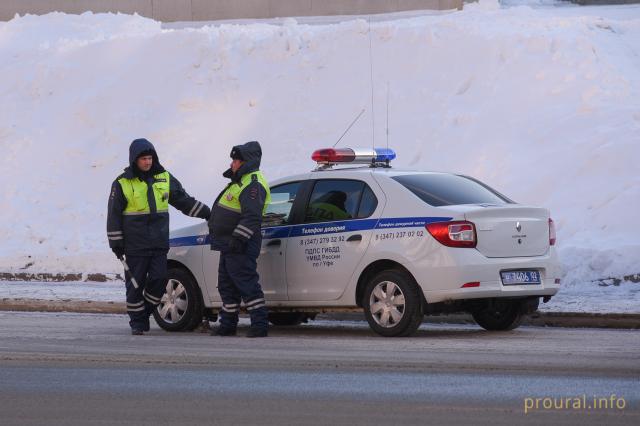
[
  {"x": 234, "y": 227},
  {"x": 329, "y": 207},
  {"x": 138, "y": 227}
]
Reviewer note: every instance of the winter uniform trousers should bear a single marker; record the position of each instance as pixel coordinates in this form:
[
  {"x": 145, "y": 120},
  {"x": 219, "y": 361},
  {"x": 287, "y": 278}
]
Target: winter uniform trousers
[
  {"x": 150, "y": 273},
  {"x": 238, "y": 281}
]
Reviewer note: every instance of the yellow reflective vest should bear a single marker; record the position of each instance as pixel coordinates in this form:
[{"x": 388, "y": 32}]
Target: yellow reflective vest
[{"x": 136, "y": 193}]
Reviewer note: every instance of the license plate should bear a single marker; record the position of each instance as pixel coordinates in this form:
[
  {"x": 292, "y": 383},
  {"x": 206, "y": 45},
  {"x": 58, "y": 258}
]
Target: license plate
[{"x": 520, "y": 277}]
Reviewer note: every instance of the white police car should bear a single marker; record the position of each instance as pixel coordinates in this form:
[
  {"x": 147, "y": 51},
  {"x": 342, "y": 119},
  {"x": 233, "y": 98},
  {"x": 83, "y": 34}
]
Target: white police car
[{"x": 397, "y": 244}]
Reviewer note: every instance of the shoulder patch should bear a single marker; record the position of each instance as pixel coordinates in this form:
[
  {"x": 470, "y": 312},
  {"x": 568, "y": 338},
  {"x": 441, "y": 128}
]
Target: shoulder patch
[
  {"x": 254, "y": 178},
  {"x": 253, "y": 193}
]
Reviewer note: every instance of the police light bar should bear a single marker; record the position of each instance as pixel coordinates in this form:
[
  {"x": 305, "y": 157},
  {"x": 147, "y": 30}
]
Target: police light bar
[{"x": 353, "y": 156}]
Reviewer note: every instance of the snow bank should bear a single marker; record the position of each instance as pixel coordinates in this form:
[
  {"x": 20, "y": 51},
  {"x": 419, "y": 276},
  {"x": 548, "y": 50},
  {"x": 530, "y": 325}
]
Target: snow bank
[{"x": 545, "y": 108}]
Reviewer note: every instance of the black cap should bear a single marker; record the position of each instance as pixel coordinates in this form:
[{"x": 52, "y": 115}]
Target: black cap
[
  {"x": 145, "y": 152},
  {"x": 236, "y": 154}
]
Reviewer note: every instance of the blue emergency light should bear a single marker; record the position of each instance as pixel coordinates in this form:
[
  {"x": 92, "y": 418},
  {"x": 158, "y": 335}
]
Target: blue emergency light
[{"x": 373, "y": 156}]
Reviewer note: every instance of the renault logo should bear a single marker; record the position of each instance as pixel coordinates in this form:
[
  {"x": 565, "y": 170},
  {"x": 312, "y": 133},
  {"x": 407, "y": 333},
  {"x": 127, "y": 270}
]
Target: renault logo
[{"x": 518, "y": 226}]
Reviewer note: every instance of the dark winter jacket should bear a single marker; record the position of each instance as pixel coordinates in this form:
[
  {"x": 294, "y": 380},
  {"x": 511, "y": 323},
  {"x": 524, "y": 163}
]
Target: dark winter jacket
[
  {"x": 144, "y": 234},
  {"x": 245, "y": 225}
]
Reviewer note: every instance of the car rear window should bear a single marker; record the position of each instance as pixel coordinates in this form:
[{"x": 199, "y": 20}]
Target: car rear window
[{"x": 447, "y": 190}]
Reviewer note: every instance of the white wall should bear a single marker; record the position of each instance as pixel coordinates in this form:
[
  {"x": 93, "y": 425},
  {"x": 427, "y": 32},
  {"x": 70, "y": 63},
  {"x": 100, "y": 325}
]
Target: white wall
[{"x": 209, "y": 10}]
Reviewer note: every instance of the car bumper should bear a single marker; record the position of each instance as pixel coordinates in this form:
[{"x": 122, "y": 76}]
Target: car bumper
[{"x": 444, "y": 280}]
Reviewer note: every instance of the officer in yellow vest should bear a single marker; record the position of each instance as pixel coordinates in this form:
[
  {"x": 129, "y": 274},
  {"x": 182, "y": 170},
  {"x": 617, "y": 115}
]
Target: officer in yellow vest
[
  {"x": 235, "y": 231},
  {"x": 328, "y": 208},
  {"x": 138, "y": 227}
]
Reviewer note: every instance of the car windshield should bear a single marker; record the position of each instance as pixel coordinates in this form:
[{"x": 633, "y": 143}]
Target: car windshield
[{"x": 446, "y": 190}]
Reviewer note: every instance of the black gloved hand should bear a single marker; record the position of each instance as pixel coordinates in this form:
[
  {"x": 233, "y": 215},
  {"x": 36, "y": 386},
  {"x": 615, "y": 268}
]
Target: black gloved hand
[
  {"x": 118, "y": 251},
  {"x": 236, "y": 245},
  {"x": 206, "y": 213}
]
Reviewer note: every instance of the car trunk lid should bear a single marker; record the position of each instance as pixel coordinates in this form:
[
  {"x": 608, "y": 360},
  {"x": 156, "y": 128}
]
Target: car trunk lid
[{"x": 509, "y": 230}]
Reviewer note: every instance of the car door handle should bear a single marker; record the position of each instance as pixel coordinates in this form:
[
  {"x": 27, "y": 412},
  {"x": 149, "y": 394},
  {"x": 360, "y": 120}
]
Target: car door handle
[
  {"x": 356, "y": 237},
  {"x": 274, "y": 243}
]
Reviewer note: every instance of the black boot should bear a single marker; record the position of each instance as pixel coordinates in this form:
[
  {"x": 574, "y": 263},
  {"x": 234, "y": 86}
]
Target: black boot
[
  {"x": 136, "y": 332},
  {"x": 257, "y": 332},
  {"x": 223, "y": 331}
]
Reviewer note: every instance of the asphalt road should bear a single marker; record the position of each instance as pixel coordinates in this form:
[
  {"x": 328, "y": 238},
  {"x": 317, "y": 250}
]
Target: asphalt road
[{"x": 85, "y": 369}]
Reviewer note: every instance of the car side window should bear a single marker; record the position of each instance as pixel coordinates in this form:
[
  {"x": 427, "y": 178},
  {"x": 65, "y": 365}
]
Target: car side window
[
  {"x": 279, "y": 209},
  {"x": 334, "y": 199},
  {"x": 368, "y": 203}
]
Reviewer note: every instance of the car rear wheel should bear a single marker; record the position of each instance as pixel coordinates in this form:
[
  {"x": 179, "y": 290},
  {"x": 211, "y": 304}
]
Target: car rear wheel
[
  {"x": 500, "y": 315},
  {"x": 286, "y": 318},
  {"x": 181, "y": 306},
  {"x": 392, "y": 304}
]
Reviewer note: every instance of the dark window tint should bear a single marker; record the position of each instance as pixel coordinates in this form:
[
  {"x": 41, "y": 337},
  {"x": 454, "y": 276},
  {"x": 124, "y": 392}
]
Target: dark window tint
[
  {"x": 446, "y": 190},
  {"x": 368, "y": 203},
  {"x": 278, "y": 210},
  {"x": 333, "y": 200}
]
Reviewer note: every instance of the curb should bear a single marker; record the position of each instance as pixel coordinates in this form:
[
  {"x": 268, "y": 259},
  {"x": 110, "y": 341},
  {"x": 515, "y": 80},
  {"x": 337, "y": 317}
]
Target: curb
[
  {"x": 538, "y": 319},
  {"x": 58, "y": 278}
]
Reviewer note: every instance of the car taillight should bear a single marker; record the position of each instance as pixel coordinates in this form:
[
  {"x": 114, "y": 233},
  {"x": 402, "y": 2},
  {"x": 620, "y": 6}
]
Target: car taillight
[
  {"x": 454, "y": 234},
  {"x": 552, "y": 232}
]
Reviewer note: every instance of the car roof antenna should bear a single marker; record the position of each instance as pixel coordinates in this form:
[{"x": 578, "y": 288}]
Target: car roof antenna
[
  {"x": 387, "y": 114},
  {"x": 349, "y": 128},
  {"x": 373, "y": 117}
]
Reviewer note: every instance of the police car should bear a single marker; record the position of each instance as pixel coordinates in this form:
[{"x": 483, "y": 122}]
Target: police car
[{"x": 357, "y": 234}]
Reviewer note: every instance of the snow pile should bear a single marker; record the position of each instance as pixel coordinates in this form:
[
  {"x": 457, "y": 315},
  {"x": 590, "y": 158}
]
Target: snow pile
[{"x": 544, "y": 108}]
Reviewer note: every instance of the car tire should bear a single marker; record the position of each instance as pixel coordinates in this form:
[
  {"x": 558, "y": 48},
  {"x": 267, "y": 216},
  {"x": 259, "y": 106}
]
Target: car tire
[
  {"x": 181, "y": 307},
  {"x": 286, "y": 318},
  {"x": 393, "y": 304},
  {"x": 501, "y": 315}
]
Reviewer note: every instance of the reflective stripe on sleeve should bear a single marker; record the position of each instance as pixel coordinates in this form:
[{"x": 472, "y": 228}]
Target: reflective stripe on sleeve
[
  {"x": 199, "y": 209},
  {"x": 245, "y": 229},
  {"x": 241, "y": 233},
  {"x": 120, "y": 237},
  {"x": 195, "y": 209}
]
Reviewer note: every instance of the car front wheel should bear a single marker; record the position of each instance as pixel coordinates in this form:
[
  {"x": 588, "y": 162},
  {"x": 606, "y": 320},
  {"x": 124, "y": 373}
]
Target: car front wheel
[
  {"x": 181, "y": 306},
  {"x": 392, "y": 304}
]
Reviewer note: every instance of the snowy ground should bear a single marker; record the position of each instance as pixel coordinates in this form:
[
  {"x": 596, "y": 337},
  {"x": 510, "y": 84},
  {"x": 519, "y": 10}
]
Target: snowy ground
[
  {"x": 113, "y": 291},
  {"x": 542, "y": 103}
]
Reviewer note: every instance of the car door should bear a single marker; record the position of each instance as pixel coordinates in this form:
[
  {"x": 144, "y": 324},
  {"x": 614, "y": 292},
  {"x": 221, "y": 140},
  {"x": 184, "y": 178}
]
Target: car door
[
  {"x": 275, "y": 230},
  {"x": 324, "y": 250}
]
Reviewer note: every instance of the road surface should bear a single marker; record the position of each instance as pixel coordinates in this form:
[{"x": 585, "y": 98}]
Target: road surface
[{"x": 85, "y": 369}]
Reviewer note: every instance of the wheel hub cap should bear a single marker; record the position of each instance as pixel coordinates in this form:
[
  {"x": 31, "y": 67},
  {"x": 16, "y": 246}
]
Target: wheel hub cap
[
  {"x": 387, "y": 304},
  {"x": 173, "y": 303}
]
